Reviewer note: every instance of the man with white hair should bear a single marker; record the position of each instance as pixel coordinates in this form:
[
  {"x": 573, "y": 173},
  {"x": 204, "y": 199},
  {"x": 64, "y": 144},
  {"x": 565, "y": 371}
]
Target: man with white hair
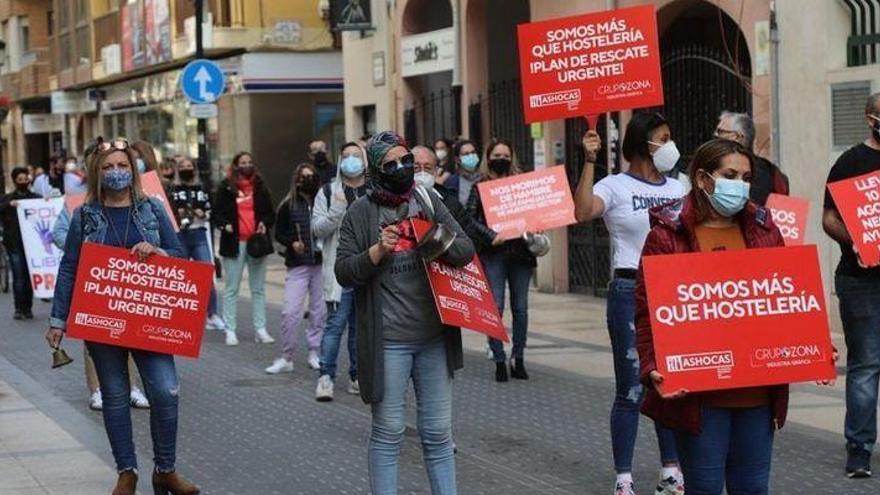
[{"x": 768, "y": 178}]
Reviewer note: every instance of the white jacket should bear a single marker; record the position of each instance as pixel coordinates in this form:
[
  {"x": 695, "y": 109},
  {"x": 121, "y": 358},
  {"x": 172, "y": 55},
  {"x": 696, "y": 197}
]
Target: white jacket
[{"x": 325, "y": 227}]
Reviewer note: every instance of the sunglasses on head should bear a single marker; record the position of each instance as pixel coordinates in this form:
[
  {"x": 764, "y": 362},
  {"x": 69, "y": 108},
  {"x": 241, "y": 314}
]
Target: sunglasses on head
[
  {"x": 118, "y": 144},
  {"x": 407, "y": 160}
]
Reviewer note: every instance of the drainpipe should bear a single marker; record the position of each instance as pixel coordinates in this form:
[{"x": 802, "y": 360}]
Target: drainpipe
[
  {"x": 456, "y": 69},
  {"x": 774, "y": 84}
]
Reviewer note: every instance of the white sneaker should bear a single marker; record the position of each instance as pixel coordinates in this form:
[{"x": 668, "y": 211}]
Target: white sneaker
[
  {"x": 138, "y": 399},
  {"x": 489, "y": 354},
  {"x": 624, "y": 488},
  {"x": 231, "y": 338},
  {"x": 354, "y": 388},
  {"x": 314, "y": 360},
  {"x": 261, "y": 336},
  {"x": 96, "y": 402},
  {"x": 280, "y": 365},
  {"x": 673, "y": 485},
  {"x": 324, "y": 391},
  {"x": 215, "y": 322}
]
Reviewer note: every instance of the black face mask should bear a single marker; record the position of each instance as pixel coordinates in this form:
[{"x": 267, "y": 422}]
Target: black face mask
[
  {"x": 308, "y": 184},
  {"x": 876, "y": 130},
  {"x": 246, "y": 172},
  {"x": 398, "y": 181},
  {"x": 320, "y": 157},
  {"x": 186, "y": 174},
  {"x": 21, "y": 187},
  {"x": 500, "y": 166}
]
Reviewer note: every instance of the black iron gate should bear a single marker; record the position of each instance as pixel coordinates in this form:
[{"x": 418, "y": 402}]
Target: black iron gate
[
  {"x": 506, "y": 120},
  {"x": 699, "y": 82},
  {"x": 589, "y": 248},
  {"x": 439, "y": 113}
]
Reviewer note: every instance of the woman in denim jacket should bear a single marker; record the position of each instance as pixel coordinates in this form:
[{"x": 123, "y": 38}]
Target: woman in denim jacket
[{"x": 117, "y": 213}]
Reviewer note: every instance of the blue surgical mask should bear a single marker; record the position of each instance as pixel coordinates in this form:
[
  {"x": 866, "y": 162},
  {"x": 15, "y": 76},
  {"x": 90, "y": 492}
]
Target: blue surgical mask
[
  {"x": 730, "y": 196},
  {"x": 351, "y": 166},
  {"x": 141, "y": 165},
  {"x": 116, "y": 179},
  {"x": 470, "y": 161}
]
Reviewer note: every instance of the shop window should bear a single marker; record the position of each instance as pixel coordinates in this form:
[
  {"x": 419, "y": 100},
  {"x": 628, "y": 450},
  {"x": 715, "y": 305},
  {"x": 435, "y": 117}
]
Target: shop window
[
  {"x": 83, "y": 47},
  {"x": 24, "y": 33},
  {"x": 66, "y": 51}
]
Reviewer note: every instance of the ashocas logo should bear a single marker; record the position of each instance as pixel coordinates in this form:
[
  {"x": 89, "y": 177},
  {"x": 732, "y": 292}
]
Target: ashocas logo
[{"x": 701, "y": 361}]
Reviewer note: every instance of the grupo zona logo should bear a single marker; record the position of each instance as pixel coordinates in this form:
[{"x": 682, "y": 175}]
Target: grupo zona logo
[
  {"x": 162, "y": 333},
  {"x": 699, "y": 361},
  {"x": 570, "y": 97},
  {"x": 792, "y": 355},
  {"x": 115, "y": 326},
  {"x": 625, "y": 88}
]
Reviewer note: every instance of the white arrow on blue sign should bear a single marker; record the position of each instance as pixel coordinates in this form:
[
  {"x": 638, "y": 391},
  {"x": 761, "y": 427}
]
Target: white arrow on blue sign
[{"x": 202, "y": 81}]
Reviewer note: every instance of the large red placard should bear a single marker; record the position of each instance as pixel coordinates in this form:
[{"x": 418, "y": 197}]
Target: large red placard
[
  {"x": 731, "y": 319},
  {"x": 462, "y": 295},
  {"x": 590, "y": 64},
  {"x": 858, "y": 201},
  {"x": 159, "y": 305},
  {"x": 531, "y": 202},
  {"x": 790, "y": 215}
]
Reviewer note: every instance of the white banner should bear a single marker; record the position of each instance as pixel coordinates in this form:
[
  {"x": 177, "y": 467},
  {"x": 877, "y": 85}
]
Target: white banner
[{"x": 36, "y": 217}]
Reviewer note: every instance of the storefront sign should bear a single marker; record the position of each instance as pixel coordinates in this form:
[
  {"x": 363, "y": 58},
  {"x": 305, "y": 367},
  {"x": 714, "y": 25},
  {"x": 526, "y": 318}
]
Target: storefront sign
[
  {"x": 858, "y": 201},
  {"x": 590, "y": 64},
  {"x": 427, "y": 53},
  {"x": 744, "y": 318},
  {"x": 531, "y": 202},
  {"x": 351, "y": 15},
  {"x": 64, "y": 102},
  {"x": 40, "y": 123},
  {"x": 36, "y": 218},
  {"x": 462, "y": 295},
  {"x": 158, "y": 305},
  {"x": 790, "y": 215}
]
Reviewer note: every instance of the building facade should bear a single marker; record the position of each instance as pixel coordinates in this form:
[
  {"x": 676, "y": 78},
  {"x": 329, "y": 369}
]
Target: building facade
[
  {"x": 802, "y": 68},
  {"x": 112, "y": 68}
]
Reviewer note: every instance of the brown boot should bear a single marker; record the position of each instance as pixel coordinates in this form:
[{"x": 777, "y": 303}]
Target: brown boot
[
  {"x": 173, "y": 484},
  {"x": 126, "y": 484}
]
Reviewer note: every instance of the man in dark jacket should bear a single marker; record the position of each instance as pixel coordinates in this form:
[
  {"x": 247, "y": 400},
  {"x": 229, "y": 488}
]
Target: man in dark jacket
[
  {"x": 318, "y": 157},
  {"x": 426, "y": 175},
  {"x": 768, "y": 178},
  {"x": 400, "y": 334},
  {"x": 23, "y": 294}
]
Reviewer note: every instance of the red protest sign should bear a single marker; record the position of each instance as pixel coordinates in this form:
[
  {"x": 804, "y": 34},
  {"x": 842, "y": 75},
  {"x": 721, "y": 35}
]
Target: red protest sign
[
  {"x": 731, "y": 319},
  {"x": 152, "y": 186},
  {"x": 462, "y": 295},
  {"x": 790, "y": 215},
  {"x": 858, "y": 201},
  {"x": 530, "y": 202},
  {"x": 159, "y": 305},
  {"x": 590, "y": 64}
]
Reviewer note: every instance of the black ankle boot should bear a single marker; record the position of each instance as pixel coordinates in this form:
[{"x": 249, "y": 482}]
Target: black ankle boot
[
  {"x": 500, "y": 372},
  {"x": 518, "y": 369}
]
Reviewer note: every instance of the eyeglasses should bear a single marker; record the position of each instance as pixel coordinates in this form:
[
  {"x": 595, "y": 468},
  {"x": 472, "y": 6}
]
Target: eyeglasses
[
  {"x": 406, "y": 160},
  {"x": 118, "y": 144}
]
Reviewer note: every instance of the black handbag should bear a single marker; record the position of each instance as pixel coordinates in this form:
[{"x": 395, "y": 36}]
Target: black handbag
[{"x": 259, "y": 245}]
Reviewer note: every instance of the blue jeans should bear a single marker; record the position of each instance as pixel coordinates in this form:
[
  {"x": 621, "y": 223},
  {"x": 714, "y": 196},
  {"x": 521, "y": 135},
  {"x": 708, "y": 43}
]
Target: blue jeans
[
  {"x": 425, "y": 364},
  {"x": 734, "y": 448},
  {"x": 860, "y": 314},
  {"x": 195, "y": 247},
  {"x": 160, "y": 384},
  {"x": 233, "y": 269},
  {"x": 501, "y": 271},
  {"x": 22, "y": 293},
  {"x": 338, "y": 316},
  {"x": 621, "y": 314}
]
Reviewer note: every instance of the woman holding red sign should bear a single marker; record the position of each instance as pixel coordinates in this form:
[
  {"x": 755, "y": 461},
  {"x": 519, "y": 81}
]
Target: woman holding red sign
[
  {"x": 507, "y": 262},
  {"x": 117, "y": 213},
  {"x": 725, "y": 437},
  {"x": 622, "y": 201}
]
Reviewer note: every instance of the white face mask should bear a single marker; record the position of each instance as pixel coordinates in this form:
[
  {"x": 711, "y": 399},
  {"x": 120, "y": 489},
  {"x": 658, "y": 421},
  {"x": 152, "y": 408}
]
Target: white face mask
[
  {"x": 424, "y": 179},
  {"x": 666, "y": 156},
  {"x": 441, "y": 154}
]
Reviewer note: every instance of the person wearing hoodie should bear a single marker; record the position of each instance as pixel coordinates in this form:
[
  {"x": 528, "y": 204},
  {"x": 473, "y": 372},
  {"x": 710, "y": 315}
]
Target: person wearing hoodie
[
  {"x": 401, "y": 338},
  {"x": 467, "y": 170},
  {"x": 243, "y": 209},
  {"x": 331, "y": 203},
  {"x": 318, "y": 157}
]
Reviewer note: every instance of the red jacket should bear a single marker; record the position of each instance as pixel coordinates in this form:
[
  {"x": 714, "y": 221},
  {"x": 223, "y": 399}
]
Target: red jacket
[{"x": 673, "y": 232}]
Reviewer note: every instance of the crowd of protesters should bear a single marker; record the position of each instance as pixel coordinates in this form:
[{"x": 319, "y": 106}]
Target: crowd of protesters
[{"x": 354, "y": 272}]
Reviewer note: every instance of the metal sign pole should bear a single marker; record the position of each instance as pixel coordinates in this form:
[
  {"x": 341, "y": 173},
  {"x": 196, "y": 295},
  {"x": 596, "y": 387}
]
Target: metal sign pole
[{"x": 204, "y": 160}]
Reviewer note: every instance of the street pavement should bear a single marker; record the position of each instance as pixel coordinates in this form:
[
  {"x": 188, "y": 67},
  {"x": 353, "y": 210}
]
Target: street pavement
[{"x": 245, "y": 432}]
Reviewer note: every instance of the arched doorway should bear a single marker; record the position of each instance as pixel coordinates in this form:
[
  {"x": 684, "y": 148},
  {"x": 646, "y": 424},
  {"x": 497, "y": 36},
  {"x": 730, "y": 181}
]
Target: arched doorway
[{"x": 706, "y": 69}]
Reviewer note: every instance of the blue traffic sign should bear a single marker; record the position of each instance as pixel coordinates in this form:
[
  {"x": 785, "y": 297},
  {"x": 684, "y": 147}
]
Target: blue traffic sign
[{"x": 202, "y": 81}]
